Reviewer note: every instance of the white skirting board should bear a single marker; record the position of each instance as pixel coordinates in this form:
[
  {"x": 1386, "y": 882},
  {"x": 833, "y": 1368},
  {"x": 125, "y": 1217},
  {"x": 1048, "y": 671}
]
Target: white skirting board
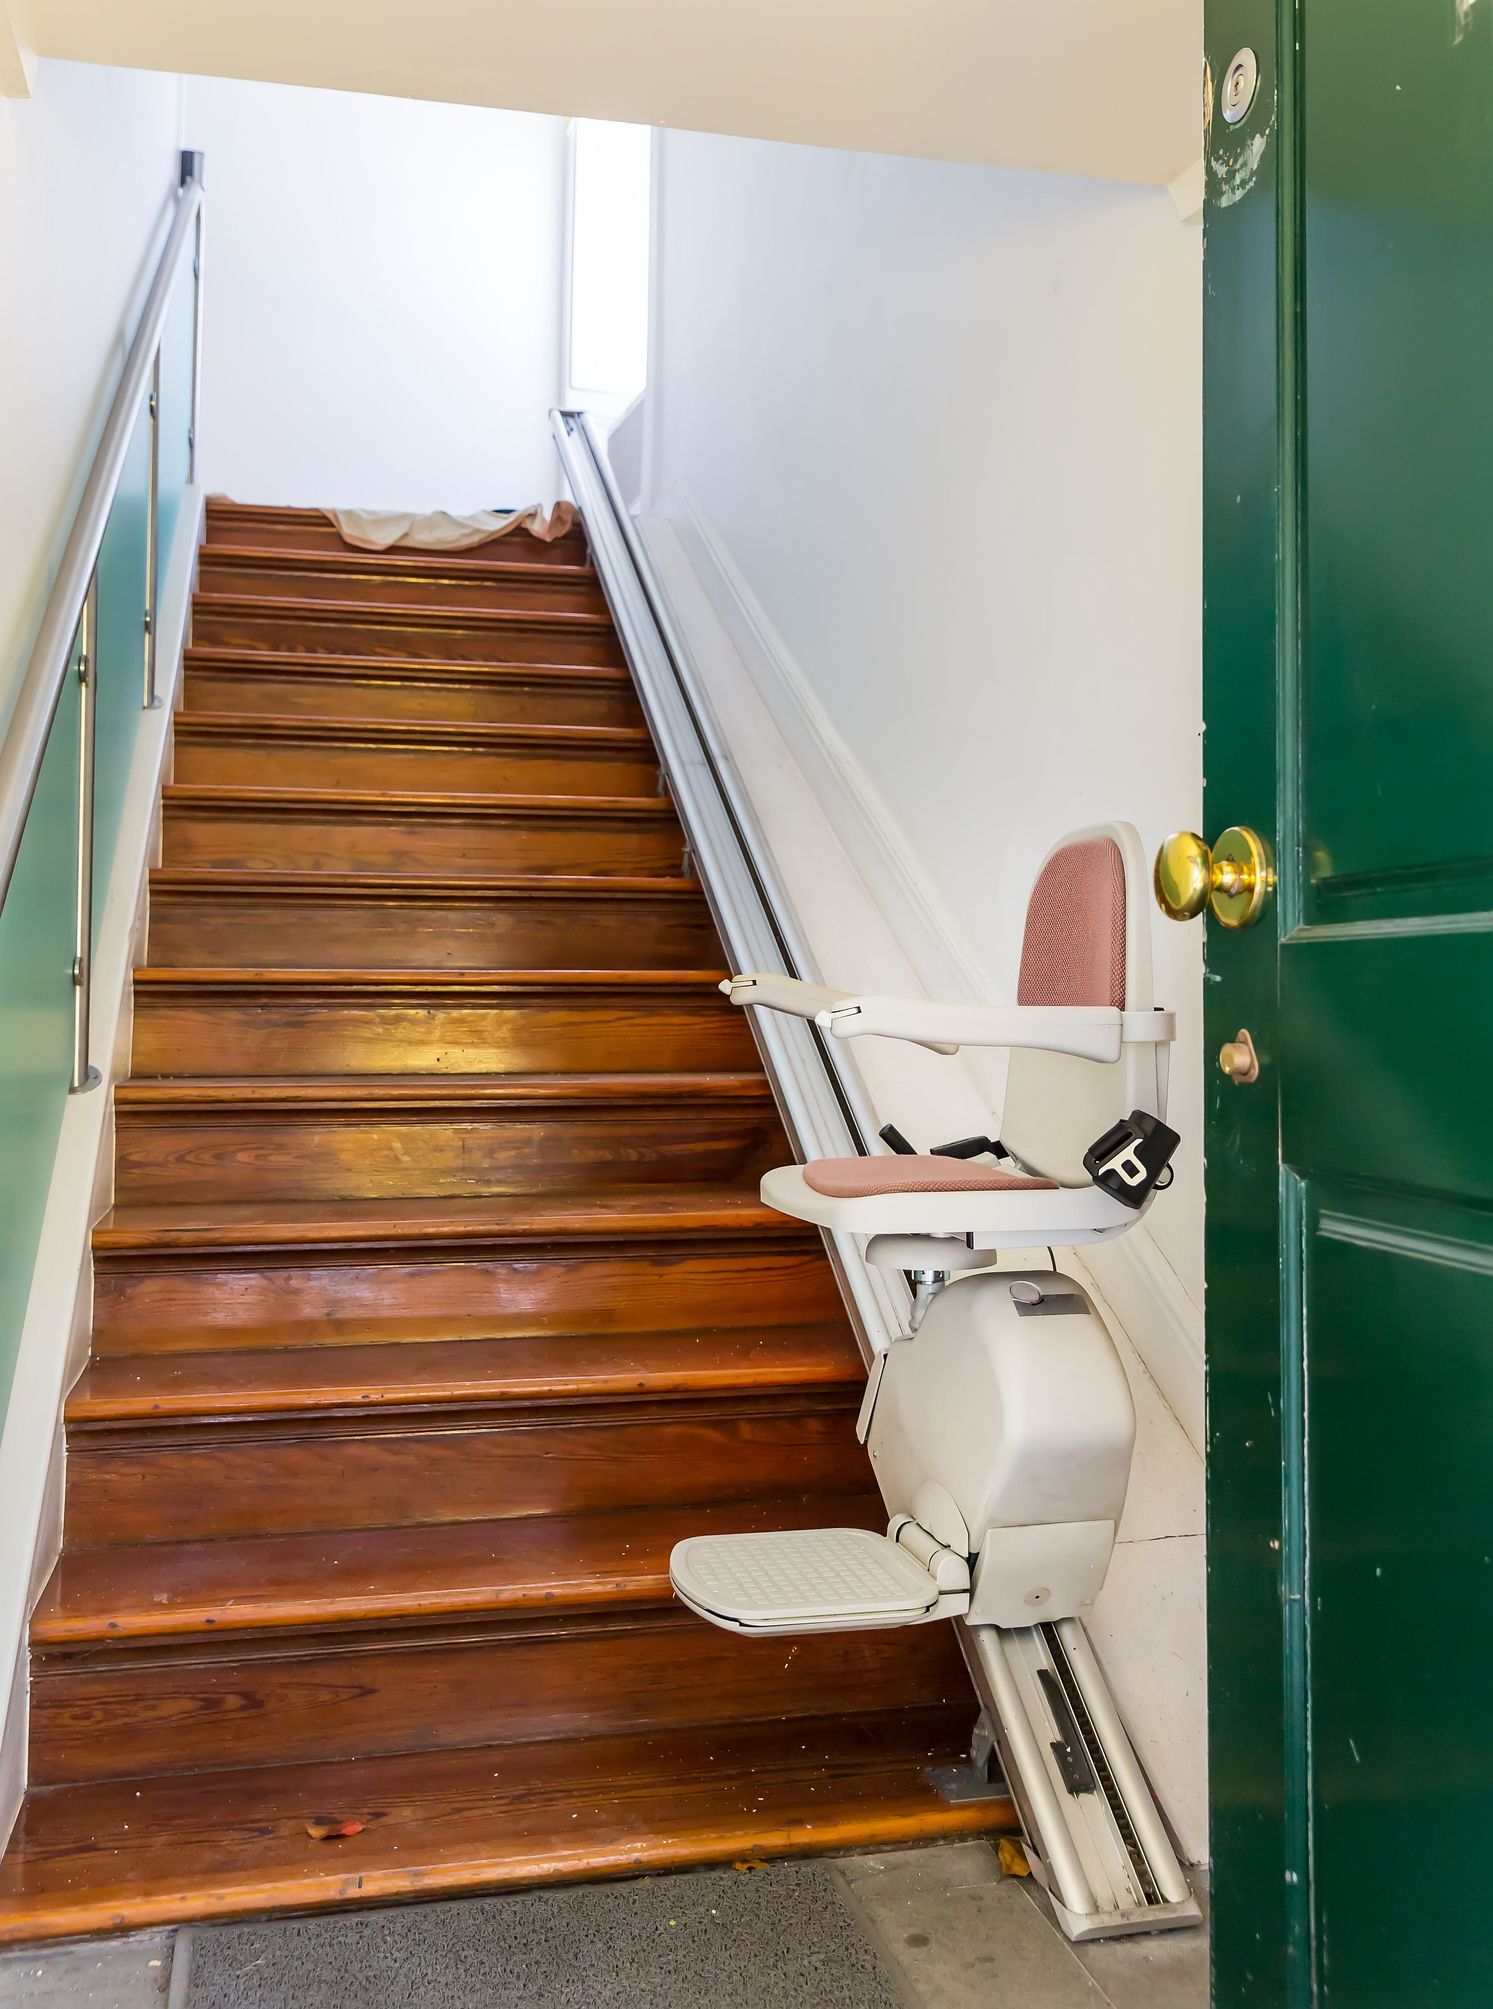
[
  {"x": 874, "y": 922},
  {"x": 55, "y": 1333}
]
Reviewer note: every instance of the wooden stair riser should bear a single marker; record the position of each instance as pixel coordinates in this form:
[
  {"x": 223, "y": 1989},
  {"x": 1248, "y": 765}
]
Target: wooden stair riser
[
  {"x": 214, "y": 753},
  {"x": 270, "y": 836},
  {"x": 286, "y": 1478},
  {"x": 193, "y": 1031},
  {"x": 210, "y": 1707},
  {"x": 236, "y": 622},
  {"x": 229, "y": 923},
  {"x": 265, "y": 528},
  {"x": 393, "y": 581},
  {"x": 379, "y": 1152},
  {"x": 181, "y": 1306},
  {"x": 426, "y": 693}
]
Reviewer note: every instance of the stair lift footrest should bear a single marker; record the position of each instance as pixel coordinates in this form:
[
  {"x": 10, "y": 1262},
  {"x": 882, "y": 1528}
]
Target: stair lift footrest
[{"x": 802, "y": 1580}]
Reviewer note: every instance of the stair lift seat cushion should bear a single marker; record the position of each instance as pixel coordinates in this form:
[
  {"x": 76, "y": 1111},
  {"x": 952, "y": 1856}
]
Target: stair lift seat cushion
[
  {"x": 856, "y": 1178},
  {"x": 801, "y": 1580},
  {"x": 1086, "y": 941},
  {"x": 1073, "y": 947}
]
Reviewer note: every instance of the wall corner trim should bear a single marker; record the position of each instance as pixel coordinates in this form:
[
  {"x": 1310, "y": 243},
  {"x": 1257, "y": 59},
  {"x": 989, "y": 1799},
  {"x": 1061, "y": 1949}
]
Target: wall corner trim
[
  {"x": 17, "y": 57},
  {"x": 1187, "y": 191}
]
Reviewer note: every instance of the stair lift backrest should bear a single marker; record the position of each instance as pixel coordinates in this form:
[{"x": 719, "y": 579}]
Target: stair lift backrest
[{"x": 1087, "y": 942}]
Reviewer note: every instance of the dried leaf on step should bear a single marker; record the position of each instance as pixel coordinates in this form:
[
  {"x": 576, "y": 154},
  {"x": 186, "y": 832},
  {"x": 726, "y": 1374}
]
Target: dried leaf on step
[
  {"x": 748, "y": 1865},
  {"x": 331, "y": 1827},
  {"x": 1012, "y": 1857}
]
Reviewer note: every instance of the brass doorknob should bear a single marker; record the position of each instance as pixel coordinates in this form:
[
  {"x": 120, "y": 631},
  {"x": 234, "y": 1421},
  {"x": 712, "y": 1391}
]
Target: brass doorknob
[
  {"x": 1235, "y": 877},
  {"x": 1238, "y": 1060}
]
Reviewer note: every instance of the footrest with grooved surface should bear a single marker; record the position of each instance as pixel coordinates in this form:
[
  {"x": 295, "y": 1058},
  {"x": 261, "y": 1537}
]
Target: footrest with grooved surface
[{"x": 802, "y": 1580}]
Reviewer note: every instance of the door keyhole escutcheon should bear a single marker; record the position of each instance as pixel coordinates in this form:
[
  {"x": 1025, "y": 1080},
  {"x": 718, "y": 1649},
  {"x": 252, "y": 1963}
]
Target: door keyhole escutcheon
[{"x": 1234, "y": 877}]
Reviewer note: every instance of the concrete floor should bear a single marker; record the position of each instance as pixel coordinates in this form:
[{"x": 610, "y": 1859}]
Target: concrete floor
[{"x": 956, "y": 1933}]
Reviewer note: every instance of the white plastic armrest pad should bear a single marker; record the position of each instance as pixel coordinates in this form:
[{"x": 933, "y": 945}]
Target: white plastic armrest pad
[
  {"x": 776, "y": 993},
  {"x": 1092, "y": 1032}
]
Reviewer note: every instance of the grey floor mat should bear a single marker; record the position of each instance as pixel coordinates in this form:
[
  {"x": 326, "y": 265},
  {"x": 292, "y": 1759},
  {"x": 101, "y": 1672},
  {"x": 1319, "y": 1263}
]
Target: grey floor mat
[{"x": 777, "y": 1938}]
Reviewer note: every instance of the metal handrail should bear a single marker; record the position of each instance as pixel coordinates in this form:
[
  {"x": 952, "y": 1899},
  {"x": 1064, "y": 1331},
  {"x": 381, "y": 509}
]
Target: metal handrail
[{"x": 69, "y": 621}]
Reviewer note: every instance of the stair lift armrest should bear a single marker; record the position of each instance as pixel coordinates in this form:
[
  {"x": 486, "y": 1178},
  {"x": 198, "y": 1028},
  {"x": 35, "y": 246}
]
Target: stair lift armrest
[
  {"x": 778, "y": 993},
  {"x": 1091, "y": 1032}
]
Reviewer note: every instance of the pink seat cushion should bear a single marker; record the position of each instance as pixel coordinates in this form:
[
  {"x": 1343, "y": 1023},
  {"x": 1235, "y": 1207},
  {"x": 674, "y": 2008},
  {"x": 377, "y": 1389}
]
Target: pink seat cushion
[
  {"x": 860, "y": 1178},
  {"x": 1073, "y": 952}
]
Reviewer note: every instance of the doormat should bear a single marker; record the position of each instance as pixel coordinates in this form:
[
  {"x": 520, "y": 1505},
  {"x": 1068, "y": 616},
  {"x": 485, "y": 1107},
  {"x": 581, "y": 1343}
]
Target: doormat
[{"x": 777, "y": 1938}]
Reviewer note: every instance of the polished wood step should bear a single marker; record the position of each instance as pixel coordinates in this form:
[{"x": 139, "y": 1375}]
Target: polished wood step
[
  {"x": 230, "y": 750},
  {"x": 545, "y": 1565},
  {"x": 601, "y": 1296},
  {"x": 391, "y": 687},
  {"x": 268, "y": 527},
  {"x": 616, "y": 1215},
  {"x": 145, "y": 1852},
  {"x": 400, "y": 578},
  {"x": 355, "y": 1692},
  {"x": 392, "y": 1136},
  {"x": 206, "y": 918},
  {"x": 439, "y": 634},
  {"x": 307, "y": 829},
  {"x": 143, "y": 1390},
  {"x": 205, "y": 1481},
  {"x": 439, "y": 1022}
]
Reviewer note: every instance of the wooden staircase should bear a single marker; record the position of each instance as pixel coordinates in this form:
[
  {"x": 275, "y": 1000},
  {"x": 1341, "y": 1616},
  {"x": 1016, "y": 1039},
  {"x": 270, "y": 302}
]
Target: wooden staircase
[{"x": 437, "y": 1302}]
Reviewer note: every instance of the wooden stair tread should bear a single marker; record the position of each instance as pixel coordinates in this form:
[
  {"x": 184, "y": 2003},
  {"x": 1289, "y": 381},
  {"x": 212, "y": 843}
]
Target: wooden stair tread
[
  {"x": 294, "y": 529},
  {"x": 545, "y": 1563},
  {"x": 440, "y": 982},
  {"x": 223, "y": 881},
  {"x": 132, "y": 1853},
  {"x": 341, "y": 802},
  {"x": 426, "y": 565},
  {"x": 399, "y": 669},
  {"x": 408, "y": 614},
  {"x": 466, "y": 737},
  {"x": 623, "y": 1210},
  {"x": 409, "y": 1091},
  {"x": 318, "y": 1375}
]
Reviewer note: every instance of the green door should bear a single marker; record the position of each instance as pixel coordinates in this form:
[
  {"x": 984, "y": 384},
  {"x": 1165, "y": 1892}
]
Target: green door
[{"x": 1349, "y": 704}]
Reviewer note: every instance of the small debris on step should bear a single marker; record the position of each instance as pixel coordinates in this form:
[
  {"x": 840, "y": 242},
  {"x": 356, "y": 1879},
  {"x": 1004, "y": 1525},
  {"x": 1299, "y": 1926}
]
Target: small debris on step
[{"x": 1011, "y": 1856}]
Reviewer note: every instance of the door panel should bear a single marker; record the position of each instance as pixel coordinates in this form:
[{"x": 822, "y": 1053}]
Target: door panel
[
  {"x": 1348, "y": 642},
  {"x": 1399, "y": 1313}
]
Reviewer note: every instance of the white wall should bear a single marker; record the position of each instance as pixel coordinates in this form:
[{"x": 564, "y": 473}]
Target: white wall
[
  {"x": 946, "y": 423},
  {"x": 383, "y": 298},
  {"x": 88, "y": 173},
  {"x": 924, "y": 485}
]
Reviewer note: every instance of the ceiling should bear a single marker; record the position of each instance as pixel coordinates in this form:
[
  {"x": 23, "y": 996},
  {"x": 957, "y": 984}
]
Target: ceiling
[{"x": 1086, "y": 88}]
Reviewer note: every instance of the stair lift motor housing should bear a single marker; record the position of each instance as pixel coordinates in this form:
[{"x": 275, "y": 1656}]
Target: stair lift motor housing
[{"x": 1001, "y": 1436}]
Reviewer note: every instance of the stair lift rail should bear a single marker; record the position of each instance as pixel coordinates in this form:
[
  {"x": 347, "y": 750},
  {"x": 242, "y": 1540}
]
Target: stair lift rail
[
  {"x": 1097, "y": 1842},
  {"x": 67, "y": 641},
  {"x": 819, "y": 1095}
]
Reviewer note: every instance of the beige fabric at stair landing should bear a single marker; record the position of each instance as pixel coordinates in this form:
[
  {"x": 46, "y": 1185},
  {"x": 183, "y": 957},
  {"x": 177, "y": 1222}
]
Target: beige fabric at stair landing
[{"x": 383, "y": 529}]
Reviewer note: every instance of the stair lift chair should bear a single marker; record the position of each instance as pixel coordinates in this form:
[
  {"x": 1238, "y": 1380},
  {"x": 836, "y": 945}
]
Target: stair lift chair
[{"x": 1001, "y": 1428}]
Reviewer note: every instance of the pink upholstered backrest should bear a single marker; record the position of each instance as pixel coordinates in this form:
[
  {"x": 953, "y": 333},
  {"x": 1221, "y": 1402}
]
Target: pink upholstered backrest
[{"x": 1073, "y": 950}]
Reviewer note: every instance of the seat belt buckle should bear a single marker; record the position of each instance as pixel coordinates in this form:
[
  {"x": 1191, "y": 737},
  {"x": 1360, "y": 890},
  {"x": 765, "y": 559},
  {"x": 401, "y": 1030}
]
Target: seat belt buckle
[{"x": 1133, "y": 1159}]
